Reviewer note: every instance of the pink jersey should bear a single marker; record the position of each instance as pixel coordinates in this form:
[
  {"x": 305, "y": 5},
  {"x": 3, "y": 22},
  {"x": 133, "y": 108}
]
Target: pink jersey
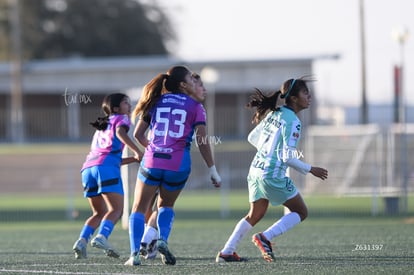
[
  {"x": 106, "y": 148},
  {"x": 172, "y": 125}
]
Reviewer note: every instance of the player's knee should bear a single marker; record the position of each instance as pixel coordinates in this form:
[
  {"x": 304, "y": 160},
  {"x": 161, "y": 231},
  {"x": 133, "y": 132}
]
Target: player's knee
[
  {"x": 116, "y": 213},
  {"x": 254, "y": 217},
  {"x": 98, "y": 215}
]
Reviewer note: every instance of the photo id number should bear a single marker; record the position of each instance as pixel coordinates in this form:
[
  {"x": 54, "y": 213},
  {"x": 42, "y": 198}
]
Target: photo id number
[{"x": 368, "y": 247}]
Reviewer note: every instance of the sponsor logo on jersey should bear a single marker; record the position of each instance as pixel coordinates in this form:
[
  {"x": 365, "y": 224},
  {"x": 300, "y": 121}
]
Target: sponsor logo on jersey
[
  {"x": 274, "y": 122},
  {"x": 173, "y": 101}
]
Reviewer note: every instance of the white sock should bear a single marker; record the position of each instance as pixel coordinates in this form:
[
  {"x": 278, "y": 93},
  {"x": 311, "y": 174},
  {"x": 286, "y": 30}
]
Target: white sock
[
  {"x": 150, "y": 233},
  {"x": 241, "y": 229},
  {"x": 285, "y": 223}
]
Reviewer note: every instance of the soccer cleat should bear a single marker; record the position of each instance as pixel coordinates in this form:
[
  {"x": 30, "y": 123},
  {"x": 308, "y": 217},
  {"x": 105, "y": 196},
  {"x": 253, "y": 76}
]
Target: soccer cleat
[
  {"x": 264, "y": 246},
  {"x": 80, "y": 248},
  {"x": 229, "y": 258},
  {"x": 166, "y": 256},
  {"x": 152, "y": 250},
  {"x": 133, "y": 260},
  {"x": 102, "y": 243},
  {"x": 143, "y": 250},
  {"x": 148, "y": 252}
]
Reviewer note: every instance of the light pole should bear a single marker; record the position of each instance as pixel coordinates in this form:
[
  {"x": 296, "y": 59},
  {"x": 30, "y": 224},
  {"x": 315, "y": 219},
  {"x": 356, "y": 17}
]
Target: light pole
[
  {"x": 401, "y": 35},
  {"x": 364, "y": 105},
  {"x": 210, "y": 76},
  {"x": 16, "y": 112}
]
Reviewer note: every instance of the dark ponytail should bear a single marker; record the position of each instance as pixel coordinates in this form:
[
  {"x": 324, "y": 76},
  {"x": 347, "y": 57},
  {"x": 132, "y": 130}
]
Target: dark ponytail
[
  {"x": 263, "y": 104},
  {"x": 101, "y": 123},
  {"x": 108, "y": 104}
]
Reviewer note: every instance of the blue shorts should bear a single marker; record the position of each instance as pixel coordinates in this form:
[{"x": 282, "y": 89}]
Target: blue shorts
[
  {"x": 170, "y": 180},
  {"x": 101, "y": 179}
]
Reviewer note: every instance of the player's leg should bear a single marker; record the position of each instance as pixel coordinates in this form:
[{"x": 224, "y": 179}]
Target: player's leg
[
  {"x": 142, "y": 200},
  {"x": 114, "y": 206},
  {"x": 111, "y": 188},
  {"x": 148, "y": 248},
  {"x": 256, "y": 213},
  {"x": 275, "y": 192},
  {"x": 173, "y": 184},
  {"x": 98, "y": 211},
  {"x": 98, "y": 208},
  {"x": 165, "y": 220},
  {"x": 165, "y": 217},
  {"x": 145, "y": 188},
  {"x": 258, "y": 239},
  {"x": 298, "y": 212}
]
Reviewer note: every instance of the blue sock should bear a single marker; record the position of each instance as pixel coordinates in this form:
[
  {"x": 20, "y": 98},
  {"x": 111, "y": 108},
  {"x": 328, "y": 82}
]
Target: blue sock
[
  {"x": 136, "y": 230},
  {"x": 106, "y": 228},
  {"x": 165, "y": 221},
  {"x": 87, "y": 232}
]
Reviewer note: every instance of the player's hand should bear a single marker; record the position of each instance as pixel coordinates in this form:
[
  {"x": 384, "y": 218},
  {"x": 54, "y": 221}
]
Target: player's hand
[
  {"x": 319, "y": 172},
  {"x": 138, "y": 156},
  {"x": 215, "y": 177}
]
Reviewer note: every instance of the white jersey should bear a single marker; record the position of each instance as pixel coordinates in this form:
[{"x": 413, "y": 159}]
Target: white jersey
[{"x": 276, "y": 138}]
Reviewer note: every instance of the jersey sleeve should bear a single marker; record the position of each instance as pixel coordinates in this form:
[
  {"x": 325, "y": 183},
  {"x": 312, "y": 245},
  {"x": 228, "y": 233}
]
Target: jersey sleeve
[
  {"x": 257, "y": 136},
  {"x": 298, "y": 165},
  {"x": 123, "y": 121},
  {"x": 200, "y": 115},
  {"x": 292, "y": 133},
  {"x": 254, "y": 135},
  {"x": 291, "y": 155}
]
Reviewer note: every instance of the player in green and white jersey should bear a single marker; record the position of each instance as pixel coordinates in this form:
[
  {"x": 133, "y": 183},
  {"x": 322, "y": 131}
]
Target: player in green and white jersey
[{"x": 276, "y": 139}]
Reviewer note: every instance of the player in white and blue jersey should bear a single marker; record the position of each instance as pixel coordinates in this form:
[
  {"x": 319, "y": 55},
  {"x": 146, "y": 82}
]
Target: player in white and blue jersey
[
  {"x": 101, "y": 176},
  {"x": 170, "y": 110},
  {"x": 276, "y": 138}
]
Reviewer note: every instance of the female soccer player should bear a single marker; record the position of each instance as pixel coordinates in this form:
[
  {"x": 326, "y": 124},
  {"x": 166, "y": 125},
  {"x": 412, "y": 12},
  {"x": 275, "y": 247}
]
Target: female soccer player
[
  {"x": 169, "y": 108},
  {"x": 148, "y": 248},
  {"x": 101, "y": 176},
  {"x": 276, "y": 137}
]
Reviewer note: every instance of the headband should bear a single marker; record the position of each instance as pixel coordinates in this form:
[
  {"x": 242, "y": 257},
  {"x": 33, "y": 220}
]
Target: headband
[{"x": 290, "y": 88}]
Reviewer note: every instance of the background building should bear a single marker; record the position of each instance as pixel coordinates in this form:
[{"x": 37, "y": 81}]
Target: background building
[{"x": 60, "y": 97}]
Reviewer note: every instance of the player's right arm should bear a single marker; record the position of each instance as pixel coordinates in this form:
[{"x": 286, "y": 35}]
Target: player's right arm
[
  {"x": 205, "y": 151},
  {"x": 139, "y": 132}
]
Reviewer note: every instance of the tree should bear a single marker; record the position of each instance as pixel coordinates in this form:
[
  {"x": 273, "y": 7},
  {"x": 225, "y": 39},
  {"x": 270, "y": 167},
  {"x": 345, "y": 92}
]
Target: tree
[{"x": 92, "y": 28}]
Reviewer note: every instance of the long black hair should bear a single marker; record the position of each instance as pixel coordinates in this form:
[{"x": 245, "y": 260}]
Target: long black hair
[
  {"x": 264, "y": 103},
  {"x": 108, "y": 104},
  {"x": 162, "y": 83}
]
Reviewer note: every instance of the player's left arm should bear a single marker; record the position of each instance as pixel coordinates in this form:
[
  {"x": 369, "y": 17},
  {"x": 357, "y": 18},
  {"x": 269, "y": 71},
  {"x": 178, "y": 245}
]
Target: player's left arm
[{"x": 292, "y": 155}]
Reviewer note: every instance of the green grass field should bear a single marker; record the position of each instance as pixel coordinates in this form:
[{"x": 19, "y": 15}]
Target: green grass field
[{"x": 339, "y": 237}]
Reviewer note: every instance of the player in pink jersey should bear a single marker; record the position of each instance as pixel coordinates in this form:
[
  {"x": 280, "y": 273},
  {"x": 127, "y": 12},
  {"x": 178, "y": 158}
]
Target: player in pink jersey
[
  {"x": 148, "y": 248},
  {"x": 101, "y": 176},
  {"x": 170, "y": 110}
]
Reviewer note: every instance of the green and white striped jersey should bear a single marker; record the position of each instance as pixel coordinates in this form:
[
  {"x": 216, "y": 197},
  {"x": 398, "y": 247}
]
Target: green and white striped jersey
[{"x": 276, "y": 138}]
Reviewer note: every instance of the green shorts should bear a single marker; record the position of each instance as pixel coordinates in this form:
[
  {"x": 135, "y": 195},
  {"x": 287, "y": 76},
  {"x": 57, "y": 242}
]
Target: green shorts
[{"x": 276, "y": 191}]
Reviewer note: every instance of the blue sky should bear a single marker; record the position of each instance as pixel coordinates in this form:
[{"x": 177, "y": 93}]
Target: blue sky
[{"x": 246, "y": 29}]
